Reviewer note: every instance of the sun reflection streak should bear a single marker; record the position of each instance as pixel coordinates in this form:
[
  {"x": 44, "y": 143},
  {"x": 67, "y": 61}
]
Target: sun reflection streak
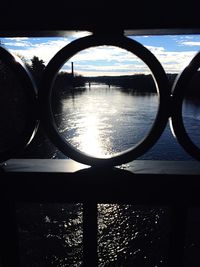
[
  {"x": 103, "y": 122},
  {"x": 89, "y": 138}
]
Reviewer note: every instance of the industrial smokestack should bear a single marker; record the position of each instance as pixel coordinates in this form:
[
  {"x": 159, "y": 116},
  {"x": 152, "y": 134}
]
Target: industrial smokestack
[{"x": 72, "y": 64}]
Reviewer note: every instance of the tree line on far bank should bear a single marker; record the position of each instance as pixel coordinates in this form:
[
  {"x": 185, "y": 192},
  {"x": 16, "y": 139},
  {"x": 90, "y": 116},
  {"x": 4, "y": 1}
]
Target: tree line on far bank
[{"x": 66, "y": 82}]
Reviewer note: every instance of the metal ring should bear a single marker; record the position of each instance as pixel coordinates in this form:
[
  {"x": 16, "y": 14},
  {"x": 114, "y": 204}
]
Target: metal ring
[
  {"x": 63, "y": 56},
  {"x": 176, "y": 121},
  {"x": 29, "y": 90}
]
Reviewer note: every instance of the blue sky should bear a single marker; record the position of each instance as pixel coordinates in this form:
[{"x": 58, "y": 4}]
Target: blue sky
[{"x": 173, "y": 51}]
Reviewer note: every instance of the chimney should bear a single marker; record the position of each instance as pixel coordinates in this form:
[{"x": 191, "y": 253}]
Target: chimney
[{"x": 72, "y": 64}]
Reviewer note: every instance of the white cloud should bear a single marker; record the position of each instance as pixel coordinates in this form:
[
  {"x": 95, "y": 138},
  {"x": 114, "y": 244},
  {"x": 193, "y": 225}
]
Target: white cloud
[
  {"x": 122, "y": 68},
  {"x": 172, "y": 61},
  {"x": 43, "y": 50},
  {"x": 190, "y": 43},
  {"x": 17, "y": 44},
  {"x": 106, "y": 54},
  {"x": 16, "y": 38},
  {"x": 109, "y": 58}
]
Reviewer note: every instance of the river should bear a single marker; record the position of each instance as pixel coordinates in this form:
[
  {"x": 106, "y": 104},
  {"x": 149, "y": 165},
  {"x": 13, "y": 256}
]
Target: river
[{"x": 103, "y": 121}]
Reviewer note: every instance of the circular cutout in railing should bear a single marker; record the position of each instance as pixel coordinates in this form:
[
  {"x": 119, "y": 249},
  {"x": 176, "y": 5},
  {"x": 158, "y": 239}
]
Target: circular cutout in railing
[
  {"x": 82, "y": 114},
  {"x": 185, "y": 120},
  {"x": 17, "y": 106}
]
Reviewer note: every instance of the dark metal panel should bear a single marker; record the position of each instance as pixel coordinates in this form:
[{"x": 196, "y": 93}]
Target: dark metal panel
[
  {"x": 98, "y": 15},
  {"x": 104, "y": 185}
]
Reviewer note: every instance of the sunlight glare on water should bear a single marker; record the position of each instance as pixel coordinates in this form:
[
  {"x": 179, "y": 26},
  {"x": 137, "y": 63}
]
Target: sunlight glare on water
[
  {"x": 90, "y": 137},
  {"x": 129, "y": 235},
  {"x": 103, "y": 121}
]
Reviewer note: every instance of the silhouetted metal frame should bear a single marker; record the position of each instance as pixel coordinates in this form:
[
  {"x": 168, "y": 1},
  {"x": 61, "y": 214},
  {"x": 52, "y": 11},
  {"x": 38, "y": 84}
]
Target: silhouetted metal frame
[
  {"x": 160, "y": 79},
  {"x": 179, "y": 89},
  {"x": 27, "y": 83}
]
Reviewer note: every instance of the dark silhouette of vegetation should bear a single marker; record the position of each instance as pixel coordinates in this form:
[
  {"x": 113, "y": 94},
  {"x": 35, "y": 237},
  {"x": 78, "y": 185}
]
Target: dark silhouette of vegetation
[
  {"x": 137, "y": 83},
  {"x": 36, "y": 68},
  {"x": 65, "y": 83}
]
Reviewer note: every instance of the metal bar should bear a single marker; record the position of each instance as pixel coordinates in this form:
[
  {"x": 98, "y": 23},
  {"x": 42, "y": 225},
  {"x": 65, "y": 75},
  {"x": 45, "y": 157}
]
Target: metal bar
[
  {"x": 9, "y": 253},
  {"x": 90, "y": 234},
  {"x": 177, "y": 237}
]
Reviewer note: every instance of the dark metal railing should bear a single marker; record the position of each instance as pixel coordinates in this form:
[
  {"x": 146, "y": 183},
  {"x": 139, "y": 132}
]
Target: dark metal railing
[
  {"x": 170, "y": 101},
  {"x": 92, "y": 186},
  {"x": 102, "y": 183}
]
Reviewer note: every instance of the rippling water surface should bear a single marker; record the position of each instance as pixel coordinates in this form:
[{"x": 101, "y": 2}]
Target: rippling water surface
[
  {"x": 130, "y": 235},
  {"x": 103, "y": 121}
]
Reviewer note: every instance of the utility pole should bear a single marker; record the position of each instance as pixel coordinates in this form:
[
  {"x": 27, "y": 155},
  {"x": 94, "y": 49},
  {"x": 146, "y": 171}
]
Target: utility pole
[{"x": 72, "y": 65}]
